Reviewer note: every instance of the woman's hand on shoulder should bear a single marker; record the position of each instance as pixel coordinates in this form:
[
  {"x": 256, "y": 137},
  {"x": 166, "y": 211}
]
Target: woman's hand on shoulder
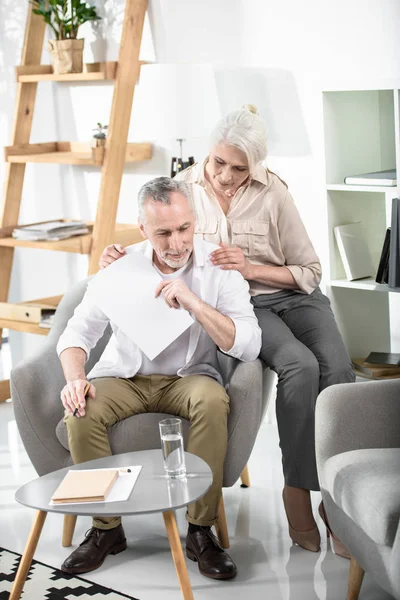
[
  {"x": 231, "y": 258},
  {"x": 111, "y": 254}
]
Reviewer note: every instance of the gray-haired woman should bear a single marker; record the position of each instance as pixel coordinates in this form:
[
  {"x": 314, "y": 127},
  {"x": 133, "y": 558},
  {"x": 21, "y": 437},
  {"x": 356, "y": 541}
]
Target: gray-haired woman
[{"x": 249, "y": 212}]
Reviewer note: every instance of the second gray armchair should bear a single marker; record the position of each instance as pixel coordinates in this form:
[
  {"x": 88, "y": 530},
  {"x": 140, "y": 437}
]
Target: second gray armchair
[{"x": 358, "y": 458}]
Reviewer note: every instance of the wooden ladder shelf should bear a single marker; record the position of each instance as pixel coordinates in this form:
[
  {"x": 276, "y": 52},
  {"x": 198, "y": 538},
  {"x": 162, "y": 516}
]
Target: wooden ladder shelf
[{"x": 24, "y": 316}]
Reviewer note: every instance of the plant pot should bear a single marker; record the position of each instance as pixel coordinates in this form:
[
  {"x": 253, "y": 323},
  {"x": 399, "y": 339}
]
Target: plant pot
[
  {"x": 98, "y": 149},
  {"x": 66, "y": 55}
]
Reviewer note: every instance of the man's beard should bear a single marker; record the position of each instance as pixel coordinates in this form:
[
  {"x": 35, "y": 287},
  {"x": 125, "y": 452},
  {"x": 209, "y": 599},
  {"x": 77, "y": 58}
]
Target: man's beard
[{"x": 168, "y": 258}]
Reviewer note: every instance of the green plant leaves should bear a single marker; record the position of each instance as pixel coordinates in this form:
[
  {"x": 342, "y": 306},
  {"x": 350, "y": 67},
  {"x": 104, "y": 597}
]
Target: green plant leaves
[{"x": 65, "y": 16}]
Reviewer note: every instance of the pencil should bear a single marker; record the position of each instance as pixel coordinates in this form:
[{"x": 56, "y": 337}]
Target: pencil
[{"x": 85, "y": 391}]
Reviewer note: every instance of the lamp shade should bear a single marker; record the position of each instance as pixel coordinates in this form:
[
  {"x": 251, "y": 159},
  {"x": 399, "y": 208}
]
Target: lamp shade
[{"x": 175, "y": 101}]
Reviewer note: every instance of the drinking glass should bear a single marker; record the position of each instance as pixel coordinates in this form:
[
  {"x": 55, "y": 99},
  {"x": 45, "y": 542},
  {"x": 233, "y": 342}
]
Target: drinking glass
[{"x": 172, "y": 447}]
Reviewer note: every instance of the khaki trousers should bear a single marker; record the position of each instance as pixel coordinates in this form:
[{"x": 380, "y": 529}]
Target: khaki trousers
[{"x": 198, "y": 398}]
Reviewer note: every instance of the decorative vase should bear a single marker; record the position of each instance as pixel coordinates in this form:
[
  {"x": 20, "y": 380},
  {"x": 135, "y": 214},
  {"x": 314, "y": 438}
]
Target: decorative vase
[
  {"x": 66, "y": 55},
  {"x": 98, "y": 149}
]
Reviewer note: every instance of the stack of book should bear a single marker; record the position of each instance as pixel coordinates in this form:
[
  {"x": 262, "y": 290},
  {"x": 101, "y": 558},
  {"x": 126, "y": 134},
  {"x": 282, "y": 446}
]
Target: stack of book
[
  {"x": 378, "y": 365},
  {"x": 50, "y": 231}
]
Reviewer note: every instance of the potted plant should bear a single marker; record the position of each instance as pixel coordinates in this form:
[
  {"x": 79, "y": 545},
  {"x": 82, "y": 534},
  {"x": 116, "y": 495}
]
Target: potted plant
[
  {"x": 65, "y": 17},
  {"x": 99, "y": 142}
]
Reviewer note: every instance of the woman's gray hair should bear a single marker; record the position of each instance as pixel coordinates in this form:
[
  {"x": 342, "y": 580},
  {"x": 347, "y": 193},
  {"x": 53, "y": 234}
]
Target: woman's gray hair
[
  {"x": 245, "y": 130},
  {"x": 159, "y": 190}
]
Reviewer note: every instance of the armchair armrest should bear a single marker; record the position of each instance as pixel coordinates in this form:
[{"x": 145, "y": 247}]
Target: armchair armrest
[
  {"x": 245, "y": 393},
  {"x": 35, "y": 391}
]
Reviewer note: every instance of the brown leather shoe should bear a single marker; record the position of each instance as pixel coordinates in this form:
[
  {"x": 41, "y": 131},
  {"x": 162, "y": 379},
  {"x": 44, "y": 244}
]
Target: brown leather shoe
[
  {"x": 203, "y": 547},
  {"x": 94, "y": 549}
]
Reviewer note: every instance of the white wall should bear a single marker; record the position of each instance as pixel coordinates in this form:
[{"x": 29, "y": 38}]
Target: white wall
[{"x": 278, "y": 55}]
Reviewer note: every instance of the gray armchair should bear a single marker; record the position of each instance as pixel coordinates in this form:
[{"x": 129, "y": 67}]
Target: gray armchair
[
  {"x": 37, "y": 382},
  {"x": 358, "y": 459}
]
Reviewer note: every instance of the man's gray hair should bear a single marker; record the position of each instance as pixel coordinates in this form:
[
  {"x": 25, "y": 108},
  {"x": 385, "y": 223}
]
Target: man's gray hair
[{"x": 159, "y": 190}]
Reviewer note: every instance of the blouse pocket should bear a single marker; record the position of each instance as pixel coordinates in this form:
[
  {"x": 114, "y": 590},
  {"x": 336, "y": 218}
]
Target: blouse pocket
[
  {"x": 251, "y": 237},
  {"x": 208, "y": 231}
]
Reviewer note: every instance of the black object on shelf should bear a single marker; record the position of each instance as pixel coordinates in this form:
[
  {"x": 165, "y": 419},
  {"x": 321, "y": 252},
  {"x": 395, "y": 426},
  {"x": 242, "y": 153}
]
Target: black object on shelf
[
  {"x": 382, "y": 275},
  {"x": 178, "y": 164},
  {"x": 383, "y": 358},
  {"x": 394, "y": 257}
]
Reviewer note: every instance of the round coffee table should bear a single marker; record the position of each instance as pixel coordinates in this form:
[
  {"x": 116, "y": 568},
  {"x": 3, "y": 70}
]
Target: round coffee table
[{"x": 153, "y": 492}]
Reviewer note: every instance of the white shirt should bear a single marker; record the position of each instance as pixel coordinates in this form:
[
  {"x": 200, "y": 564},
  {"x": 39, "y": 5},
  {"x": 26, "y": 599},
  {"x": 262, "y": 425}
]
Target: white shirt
[
  {"x": 173, "y": 358},
  {"x": 226, "y": 291}
]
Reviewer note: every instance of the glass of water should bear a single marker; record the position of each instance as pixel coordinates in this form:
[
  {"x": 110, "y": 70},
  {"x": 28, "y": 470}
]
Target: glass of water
[{"x": 172, "y": 447}]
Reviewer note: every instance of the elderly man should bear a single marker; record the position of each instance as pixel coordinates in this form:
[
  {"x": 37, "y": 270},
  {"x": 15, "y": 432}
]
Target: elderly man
[{"x": 182, "y": 380}]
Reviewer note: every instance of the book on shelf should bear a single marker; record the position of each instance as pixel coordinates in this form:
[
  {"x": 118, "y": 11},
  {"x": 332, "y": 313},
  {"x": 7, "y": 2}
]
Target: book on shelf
[
  {"x": 353, "y": 251},
  {"x": 385, "y": 178},
  {"x": 375, "y": 371},
  {"x": 50, "y": 231},
  {"x": 383, "y": 359},
  {"x": 382, "y": 275},
  {"x": 394, "y": 252}
]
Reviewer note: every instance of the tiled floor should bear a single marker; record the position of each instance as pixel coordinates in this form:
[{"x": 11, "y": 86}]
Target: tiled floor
[{"x": 269, "y": 566}]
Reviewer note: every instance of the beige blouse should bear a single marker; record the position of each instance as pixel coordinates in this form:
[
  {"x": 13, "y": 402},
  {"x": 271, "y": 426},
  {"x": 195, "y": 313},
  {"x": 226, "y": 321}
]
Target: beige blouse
[{"x": 262, "y": 220}]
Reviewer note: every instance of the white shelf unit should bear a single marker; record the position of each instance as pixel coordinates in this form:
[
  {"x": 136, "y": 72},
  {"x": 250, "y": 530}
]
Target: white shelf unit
[{"x": 361, "y": 135}]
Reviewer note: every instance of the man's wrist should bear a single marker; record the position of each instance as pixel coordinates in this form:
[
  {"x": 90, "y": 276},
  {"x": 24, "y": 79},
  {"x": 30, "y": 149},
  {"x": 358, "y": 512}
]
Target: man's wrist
[
  {"x": 196, "y": 307},
  {"x": 73, "y": 377}
]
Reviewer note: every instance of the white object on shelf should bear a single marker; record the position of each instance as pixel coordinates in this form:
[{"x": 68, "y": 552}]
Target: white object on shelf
[
  {"x": 354, "y": 251},
  {"x": 50, "y": 230},
  {"x": 385, "y": 178}
]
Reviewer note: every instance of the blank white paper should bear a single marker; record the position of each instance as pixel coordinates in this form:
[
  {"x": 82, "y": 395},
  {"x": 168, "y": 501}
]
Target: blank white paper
[{"x": 125, "y": 292}]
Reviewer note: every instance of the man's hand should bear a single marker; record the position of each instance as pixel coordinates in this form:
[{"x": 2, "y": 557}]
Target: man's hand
[
  {"x": 177, "y": 295},
  {"x": 110, "y": 254},
  {"x": 231, "y": 258},
  {"x": 72, "y": 396}
]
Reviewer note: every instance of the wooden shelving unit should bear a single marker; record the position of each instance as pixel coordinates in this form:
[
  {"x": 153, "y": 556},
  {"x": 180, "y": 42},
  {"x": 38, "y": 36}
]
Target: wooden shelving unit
[{"x": 21, "y": 316}]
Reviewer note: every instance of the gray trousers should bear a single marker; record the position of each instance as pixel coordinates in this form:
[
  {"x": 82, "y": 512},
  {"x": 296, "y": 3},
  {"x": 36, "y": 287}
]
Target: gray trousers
[{"x": 302, "y": 344}]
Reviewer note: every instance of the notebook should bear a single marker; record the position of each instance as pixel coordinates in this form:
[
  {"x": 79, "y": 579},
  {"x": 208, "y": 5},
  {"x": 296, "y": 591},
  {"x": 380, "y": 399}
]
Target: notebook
[
  {"x": 387, "y": 178},
  {"x": 354, "y": 251},
  {"x": 85, "y": 486}
]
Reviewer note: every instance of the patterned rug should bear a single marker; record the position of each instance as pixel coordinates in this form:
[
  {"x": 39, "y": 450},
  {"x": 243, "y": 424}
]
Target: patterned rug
[{"x": 47, "y": 583}]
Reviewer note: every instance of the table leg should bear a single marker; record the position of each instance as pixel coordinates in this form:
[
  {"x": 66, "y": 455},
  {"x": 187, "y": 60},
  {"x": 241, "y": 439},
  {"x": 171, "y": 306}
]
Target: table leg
[
  {"x": 27, "y": 556},
  {"x": 68, "y": 530},
  {"x": 177, "y": 554}
]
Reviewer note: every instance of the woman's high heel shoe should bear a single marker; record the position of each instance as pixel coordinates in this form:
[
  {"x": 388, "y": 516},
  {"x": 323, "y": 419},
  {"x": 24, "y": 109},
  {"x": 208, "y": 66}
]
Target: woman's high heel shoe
[
  {"x": 338, "y": 547},
  {"x": 309, "y": 540}
]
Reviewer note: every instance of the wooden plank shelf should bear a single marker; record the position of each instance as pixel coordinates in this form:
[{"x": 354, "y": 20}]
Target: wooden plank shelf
[
  {"x": 100, "y": 71},
  {"x": 30, "y": 311},
  {"x": 78, "y": 244},
  {"x": 23, "y": 326},
  {"x": 69, "y": 153}
]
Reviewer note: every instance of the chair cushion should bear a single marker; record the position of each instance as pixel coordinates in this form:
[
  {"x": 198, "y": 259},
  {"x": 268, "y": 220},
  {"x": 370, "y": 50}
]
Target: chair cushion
[
  {"x": 139, "y": 432},
  {"x": 365, "y": 484}
]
